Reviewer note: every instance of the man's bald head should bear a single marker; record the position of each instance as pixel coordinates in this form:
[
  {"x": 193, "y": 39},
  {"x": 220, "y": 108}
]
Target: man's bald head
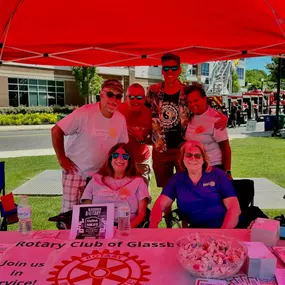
[{"x": 136, "y": 97}]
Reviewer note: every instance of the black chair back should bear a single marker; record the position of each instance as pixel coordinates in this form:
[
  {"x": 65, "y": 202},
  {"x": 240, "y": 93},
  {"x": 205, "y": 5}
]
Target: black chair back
[{"x": 245, "y": 192}]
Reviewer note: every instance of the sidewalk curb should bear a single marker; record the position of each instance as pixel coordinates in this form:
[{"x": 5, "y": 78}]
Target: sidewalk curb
[{"x": 25, "y": 128}]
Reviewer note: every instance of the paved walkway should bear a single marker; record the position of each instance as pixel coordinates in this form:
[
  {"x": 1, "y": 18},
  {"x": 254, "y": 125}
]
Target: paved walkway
[
  {"x": 237, "y": 133},
  {"x": 268, "y": 195}
]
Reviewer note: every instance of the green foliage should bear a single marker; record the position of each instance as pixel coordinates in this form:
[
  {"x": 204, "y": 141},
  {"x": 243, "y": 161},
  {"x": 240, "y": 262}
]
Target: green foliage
[
  {"x": 87, "y": 79},
  {"x": 28, "y": 119},
  {"x": 254, "y": 79},
  {"x": 273, "y": 71},
  {"x": 37, "y": 109},
  {"x": 182, "y": 76},
  {"x": 235, "y": 82}
]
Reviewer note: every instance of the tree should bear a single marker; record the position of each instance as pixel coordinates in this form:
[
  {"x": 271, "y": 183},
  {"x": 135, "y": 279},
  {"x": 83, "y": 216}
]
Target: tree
[
  {"x": 273, "y": 70},
  {"x": 235, "y": 82},
  {"x": 254, "y": 77},
  {"x": 87, "y": 80},
  {"x": 183, "y": 75}
]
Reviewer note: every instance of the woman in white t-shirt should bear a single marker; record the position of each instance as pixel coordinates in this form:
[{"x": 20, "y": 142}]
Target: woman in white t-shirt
[
  {"x": 117, "y": 182},
  {"x": 201, "y": 127}
]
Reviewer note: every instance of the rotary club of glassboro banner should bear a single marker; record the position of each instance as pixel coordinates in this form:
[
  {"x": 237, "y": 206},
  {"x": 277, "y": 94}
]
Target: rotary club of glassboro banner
[{"x": 60, "y": 262}]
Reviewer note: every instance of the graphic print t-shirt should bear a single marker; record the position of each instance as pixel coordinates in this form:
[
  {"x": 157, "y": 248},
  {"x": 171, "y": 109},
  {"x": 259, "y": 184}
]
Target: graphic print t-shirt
[{"x": 171, "y": 120}]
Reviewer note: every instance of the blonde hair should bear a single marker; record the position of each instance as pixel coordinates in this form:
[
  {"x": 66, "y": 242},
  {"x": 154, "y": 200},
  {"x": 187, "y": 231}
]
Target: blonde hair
[{"x": 206, "y": 165}]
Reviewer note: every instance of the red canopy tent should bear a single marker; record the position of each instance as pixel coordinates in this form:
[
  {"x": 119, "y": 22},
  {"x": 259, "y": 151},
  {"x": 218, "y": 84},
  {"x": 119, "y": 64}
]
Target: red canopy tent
[{"x": 128, "y": 33}]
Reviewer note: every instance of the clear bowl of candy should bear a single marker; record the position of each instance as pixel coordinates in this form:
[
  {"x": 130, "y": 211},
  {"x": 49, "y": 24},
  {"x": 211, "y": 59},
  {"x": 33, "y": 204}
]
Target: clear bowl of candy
[{"x": 211, "y": 255}]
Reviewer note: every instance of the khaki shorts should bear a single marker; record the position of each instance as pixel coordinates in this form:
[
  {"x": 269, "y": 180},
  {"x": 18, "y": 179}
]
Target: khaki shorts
[{"x": 144, "y": 168}]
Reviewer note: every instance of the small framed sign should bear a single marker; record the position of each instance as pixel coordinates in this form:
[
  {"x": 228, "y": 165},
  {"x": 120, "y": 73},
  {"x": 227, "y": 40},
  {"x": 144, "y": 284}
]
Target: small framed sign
[{"x": 95, "y": 221}]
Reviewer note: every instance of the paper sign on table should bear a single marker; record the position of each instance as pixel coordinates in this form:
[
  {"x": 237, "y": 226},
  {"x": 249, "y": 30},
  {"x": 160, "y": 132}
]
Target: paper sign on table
[
  {"x": 92, "y": 221},
  {"x": 280, "y": 276},
  {"x": 205, "y": 281}
]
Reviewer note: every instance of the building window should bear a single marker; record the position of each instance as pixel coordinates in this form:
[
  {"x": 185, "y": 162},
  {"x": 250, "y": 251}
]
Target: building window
[
  {"x": 35, "y": 92},
  {"x": 205, "y": 69},
  {"x": 240, "y": 72}
]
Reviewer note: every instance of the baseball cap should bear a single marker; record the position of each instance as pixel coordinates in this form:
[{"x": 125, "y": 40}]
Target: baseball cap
[{"x": 113, "y": 83}]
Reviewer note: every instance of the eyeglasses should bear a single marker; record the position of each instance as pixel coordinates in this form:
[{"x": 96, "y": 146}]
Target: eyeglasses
[
  {"x": 111, "y": 95},
  {"x": 138, "y": 97},
  {"x": 173, "y": 68},
  {"x": 196, "y": 155},
  {"x": 125, "y": 156}
]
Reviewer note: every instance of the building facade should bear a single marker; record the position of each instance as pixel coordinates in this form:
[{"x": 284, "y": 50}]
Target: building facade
[{"x": 34, "y": 85}]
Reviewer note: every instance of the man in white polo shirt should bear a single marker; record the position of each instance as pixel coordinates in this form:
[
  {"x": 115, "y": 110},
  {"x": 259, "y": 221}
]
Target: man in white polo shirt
[{"x": 92, "y": 129}]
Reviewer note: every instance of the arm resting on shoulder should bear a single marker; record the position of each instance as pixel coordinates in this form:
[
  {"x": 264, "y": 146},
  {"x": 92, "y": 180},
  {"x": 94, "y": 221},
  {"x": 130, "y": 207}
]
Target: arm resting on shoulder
[
  {"x": 163, "y": 202},
  {"x": 233, "y": 213},
  {"x": 141, "y": 213},
  {"x": 226, "y": 154},
  {"x": 57, "y": 135}
]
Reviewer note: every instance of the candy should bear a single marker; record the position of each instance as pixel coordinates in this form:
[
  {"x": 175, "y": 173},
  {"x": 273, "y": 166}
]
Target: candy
[{"x": 207, "y": 256}]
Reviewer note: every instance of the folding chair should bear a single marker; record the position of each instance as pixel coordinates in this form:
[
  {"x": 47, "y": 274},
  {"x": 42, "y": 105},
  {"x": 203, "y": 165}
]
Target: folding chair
[{"x": 8, "y": 208}]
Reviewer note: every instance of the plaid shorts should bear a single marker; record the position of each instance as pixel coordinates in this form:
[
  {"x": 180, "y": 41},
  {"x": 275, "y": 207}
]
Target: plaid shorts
[{"x": 73, "y": 186}]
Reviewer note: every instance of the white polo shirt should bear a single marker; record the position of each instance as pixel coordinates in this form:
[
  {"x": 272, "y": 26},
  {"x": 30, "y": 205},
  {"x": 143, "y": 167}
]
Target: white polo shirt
[
  {"x": 201, "y": 128},
  {"x": 91, "y": 136}
]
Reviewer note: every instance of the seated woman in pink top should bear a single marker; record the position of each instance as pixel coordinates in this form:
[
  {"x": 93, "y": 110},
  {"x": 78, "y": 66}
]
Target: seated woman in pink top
[{"x": 117, "y": 182}]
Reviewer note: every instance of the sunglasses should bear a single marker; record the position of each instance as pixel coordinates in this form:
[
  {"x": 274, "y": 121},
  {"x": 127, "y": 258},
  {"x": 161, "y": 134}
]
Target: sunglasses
[
  {"x": 111, "y": 95},
  {"x": 173, "y": 68},
  {"x": 138, "y": 97},
  {"x": 196, "y": 155},
  {"x": 125, "y": 156}
]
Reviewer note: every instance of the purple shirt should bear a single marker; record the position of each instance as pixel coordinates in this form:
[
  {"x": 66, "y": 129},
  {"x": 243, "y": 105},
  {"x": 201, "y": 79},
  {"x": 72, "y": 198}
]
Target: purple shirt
[{"x": 202, "y": 204}]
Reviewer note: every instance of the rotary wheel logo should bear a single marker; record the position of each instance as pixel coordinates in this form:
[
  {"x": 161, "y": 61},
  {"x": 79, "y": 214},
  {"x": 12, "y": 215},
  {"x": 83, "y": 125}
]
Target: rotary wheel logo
[{"x": 101, "y": 268}]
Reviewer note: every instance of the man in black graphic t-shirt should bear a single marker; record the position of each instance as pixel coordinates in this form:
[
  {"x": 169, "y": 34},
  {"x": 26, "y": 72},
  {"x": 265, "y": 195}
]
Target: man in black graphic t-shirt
[{"x": 169, "y": 119}]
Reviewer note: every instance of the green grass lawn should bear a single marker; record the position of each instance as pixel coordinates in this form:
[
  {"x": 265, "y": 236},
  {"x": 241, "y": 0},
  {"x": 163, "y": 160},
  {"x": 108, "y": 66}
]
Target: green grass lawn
[{"x": 251, "y": 157}]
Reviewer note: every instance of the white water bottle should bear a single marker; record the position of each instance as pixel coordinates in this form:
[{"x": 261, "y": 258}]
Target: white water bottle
[
  {"x": 24, "y": 215},
  {"x": 124, "y": 220}
]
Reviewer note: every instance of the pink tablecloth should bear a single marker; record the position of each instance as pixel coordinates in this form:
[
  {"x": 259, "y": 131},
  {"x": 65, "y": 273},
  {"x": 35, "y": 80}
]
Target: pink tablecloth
[{"x": 147, "y": 256}]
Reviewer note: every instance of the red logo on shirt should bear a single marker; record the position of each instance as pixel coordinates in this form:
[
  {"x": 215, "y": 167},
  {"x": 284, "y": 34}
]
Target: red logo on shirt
[{"x": 199, "y": 130}]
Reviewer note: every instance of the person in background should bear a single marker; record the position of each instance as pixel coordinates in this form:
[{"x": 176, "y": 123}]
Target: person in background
[
  {"x": 92, "y": 130},
  {"x": 205, "y": 196},
  {"x": 117, "y": 182},
  {"x": 138, "y": 118},
  {"x": 201, "y": 127},
  {"x": 238, "y": 115},
  {"x": 233, "y": 115}
]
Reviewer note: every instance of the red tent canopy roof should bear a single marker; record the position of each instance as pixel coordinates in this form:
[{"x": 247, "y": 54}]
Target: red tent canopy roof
[{"x": 119, "y": 33}]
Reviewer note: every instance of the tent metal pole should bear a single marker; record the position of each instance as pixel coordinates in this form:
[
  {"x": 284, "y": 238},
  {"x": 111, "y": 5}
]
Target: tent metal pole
[{"x": 276, "y": 132}]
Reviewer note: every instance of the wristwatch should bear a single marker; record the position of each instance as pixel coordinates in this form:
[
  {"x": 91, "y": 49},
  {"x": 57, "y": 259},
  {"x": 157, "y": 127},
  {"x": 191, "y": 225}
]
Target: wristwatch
[{"x": 228, "y": 172}]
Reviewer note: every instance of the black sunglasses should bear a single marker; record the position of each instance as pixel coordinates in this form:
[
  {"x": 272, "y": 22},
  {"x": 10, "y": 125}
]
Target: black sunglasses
[
  {"x": 111, "y": 95},
  {"x": 173, "y": 68},
  {"x": 196, "y": 155},
  {"x": 138, "y": 97},
  {"x": 125, "y": 156}
]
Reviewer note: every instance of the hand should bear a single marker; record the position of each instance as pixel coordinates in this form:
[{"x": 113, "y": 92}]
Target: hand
[
  {"x": 67, "y": 164},
  {"x": 222, "y": 123},
  {"x": 230, "y": 176}
]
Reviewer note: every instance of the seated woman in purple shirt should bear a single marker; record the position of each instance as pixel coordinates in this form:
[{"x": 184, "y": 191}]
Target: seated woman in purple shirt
[
  {"x": 205, "y": 195},
  {"x": 117, "y": 182}
]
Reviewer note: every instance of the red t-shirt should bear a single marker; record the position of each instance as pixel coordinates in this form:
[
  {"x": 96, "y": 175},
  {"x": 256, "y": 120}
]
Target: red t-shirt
[{"x": 137, "y": 122}]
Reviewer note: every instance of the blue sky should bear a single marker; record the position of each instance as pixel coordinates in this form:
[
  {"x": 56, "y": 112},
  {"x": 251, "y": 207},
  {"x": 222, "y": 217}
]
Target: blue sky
[{"x": 258, "y": 63}]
